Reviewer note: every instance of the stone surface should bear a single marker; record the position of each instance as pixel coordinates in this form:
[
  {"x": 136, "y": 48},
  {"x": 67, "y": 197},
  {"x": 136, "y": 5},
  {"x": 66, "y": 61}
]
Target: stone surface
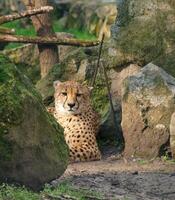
[
  {"x": 144, "y": 32},
  {"x": 108, "y": 128},
  {"x": 172, "y": 135},
  {"x": 26, "y": 58},
  {"x": 147, "y": 106},
  {"x": 32, "y": 146}
]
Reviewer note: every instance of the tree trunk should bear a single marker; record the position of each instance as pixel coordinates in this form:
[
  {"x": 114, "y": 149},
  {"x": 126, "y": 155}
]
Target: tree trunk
[{"x": 48, "y": 53}]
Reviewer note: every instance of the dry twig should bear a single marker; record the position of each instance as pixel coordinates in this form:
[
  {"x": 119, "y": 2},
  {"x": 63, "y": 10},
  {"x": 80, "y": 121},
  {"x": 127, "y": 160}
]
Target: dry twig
[
  {"x": 27, "y": 13},
  {"x": 58, "y": 197}
]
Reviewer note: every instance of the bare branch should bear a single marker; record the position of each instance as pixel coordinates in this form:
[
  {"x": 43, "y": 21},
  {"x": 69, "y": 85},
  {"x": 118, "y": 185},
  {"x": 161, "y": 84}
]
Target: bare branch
[
  {"x": 4, "y": 30},
  {"x": 48, "y": 40},
  {"x": 27, "y": 13}
]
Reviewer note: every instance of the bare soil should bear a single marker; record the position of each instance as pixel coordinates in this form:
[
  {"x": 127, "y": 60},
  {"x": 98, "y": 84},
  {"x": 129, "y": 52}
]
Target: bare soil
[{"x": 117, "y": 178}]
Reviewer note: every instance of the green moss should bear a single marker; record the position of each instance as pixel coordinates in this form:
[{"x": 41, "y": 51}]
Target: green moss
[
  {"x": 3, "y": 76},
  {"x": 167, "y": 62},
  {"x": 141, "y": 40},
  {"x": 14, "y": 89},
  {"x": 32, "y": 72},
  {"x": 100, "y": 99},
  {"x": 27, "y": 129},
  {"x": 10, "y": 104}
]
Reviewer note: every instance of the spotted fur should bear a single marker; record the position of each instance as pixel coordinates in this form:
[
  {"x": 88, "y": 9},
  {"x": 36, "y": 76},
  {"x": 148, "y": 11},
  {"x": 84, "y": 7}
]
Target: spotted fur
[{"x": 74, "y": 113}]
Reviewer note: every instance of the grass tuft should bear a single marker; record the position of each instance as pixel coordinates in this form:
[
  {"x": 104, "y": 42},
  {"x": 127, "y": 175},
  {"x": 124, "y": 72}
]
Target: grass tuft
[{"x": 11, "y": 192}]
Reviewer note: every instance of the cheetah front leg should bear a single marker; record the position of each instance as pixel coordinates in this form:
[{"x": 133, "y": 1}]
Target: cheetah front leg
[{"x": 85, "y": 152}]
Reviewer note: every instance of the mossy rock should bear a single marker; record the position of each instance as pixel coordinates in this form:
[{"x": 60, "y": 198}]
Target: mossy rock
[
  {"x": 26, "y": 58},
  {"x": 32, "y": 146},
  {"x": 167, "y": 62},
  {"x": 144, "y": 32}
]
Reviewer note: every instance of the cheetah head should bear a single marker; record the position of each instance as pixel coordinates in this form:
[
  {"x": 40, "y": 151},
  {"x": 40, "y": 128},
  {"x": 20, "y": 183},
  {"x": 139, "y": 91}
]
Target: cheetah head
[{"x": 71, "y": 97}]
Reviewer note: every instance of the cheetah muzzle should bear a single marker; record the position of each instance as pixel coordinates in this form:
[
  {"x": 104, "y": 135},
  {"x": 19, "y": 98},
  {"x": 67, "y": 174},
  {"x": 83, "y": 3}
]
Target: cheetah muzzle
[{"x": 74, "y": 113}]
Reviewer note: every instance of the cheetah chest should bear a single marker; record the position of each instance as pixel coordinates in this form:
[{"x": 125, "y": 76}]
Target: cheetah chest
[
  {"x": 79, "y": 129},
  {"x": 80, "y": 135}
]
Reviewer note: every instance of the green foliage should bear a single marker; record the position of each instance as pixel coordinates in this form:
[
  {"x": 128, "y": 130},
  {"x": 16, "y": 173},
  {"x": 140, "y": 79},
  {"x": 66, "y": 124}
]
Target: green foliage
[
  {"x": 66, "y": 188},
  {"x": 16, "y": 193},
  {"x": 100, "y": 99},
  {"x": 78, "y": 33},
  {"x": 20, "y": 30},
  {"x": 3, "y": 76},
  {"x": 166, "y": 157},
  {"x": 12, "y": 192},
  {"x": 30, "y": 31}
]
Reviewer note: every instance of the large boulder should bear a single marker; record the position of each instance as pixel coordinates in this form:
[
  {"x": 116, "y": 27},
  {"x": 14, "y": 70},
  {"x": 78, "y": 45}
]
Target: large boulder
[
  {"x": 143, "y": 33},
  {"x": 32, "y": 146},
  {"x": 147, "y": 105}
]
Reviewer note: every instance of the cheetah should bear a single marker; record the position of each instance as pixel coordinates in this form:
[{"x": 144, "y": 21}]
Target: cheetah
[{"x": 75, "y": 114}]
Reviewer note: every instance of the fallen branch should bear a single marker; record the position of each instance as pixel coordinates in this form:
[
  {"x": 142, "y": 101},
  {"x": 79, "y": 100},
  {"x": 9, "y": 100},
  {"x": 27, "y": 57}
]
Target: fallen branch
[
  {"x": 4, "y": 30},
  {"x": 27, "y": 13},
  {"x": 48, "y": 40},
  {"x": 59, "y": 197}
]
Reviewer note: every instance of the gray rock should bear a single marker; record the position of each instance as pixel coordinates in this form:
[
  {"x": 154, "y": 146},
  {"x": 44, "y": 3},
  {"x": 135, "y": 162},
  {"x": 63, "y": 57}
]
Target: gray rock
[
  {"x": 143, "y": 33},
  {"x": 147, "y": 105},
  {"x": 32, "y": 146}
]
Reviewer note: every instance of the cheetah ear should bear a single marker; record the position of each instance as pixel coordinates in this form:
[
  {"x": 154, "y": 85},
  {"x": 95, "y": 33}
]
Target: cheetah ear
[
  {"x": 90, "y": 88},
  {"x": 56, "y": 83}
]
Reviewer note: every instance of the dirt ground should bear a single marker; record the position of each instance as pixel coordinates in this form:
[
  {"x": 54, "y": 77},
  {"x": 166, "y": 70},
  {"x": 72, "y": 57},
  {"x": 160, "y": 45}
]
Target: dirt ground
[{"x": 119, "y": 179}]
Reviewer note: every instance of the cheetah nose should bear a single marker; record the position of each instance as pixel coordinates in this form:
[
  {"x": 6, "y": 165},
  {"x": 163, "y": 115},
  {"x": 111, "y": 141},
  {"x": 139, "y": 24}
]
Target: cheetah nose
[{"x": 71, "y": 105}]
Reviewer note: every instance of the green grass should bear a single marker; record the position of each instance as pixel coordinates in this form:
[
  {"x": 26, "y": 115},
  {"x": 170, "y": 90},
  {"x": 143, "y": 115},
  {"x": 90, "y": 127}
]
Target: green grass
[
  {"x": 66, "y": 189},
  {"x": 16, "y": 193},
  {"x": 21, "y": 193},
  {"x": 30, "y": 31},
  {"x": 20, "y": 30}
]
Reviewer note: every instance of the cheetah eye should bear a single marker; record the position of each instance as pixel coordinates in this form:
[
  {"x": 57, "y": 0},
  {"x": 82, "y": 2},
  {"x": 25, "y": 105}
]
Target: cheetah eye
[
  {"x": 64, "y": 93},
  {"x": 79, "y": 95}
]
